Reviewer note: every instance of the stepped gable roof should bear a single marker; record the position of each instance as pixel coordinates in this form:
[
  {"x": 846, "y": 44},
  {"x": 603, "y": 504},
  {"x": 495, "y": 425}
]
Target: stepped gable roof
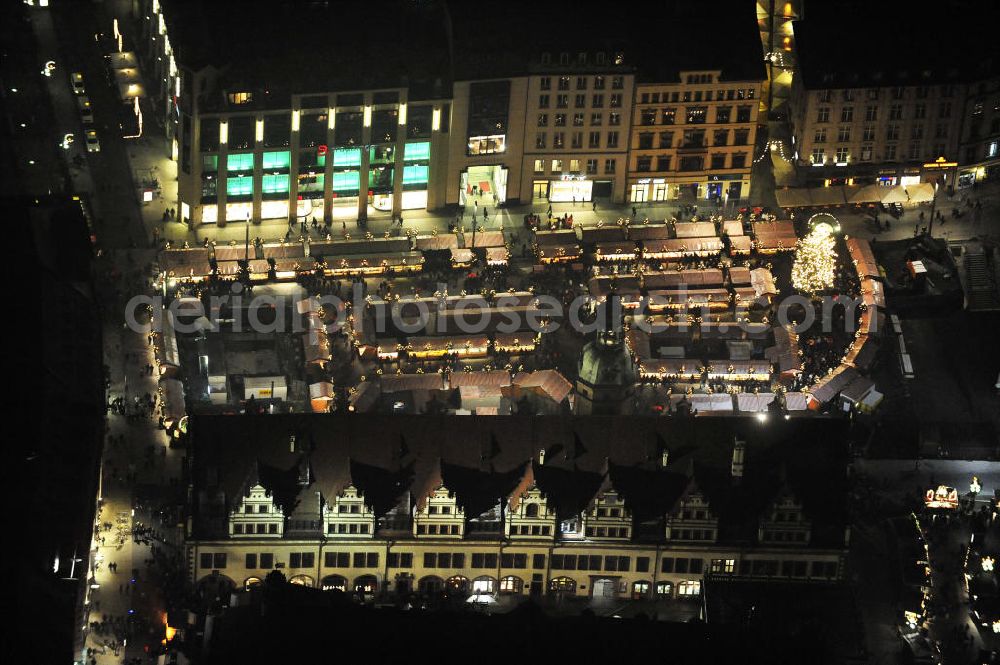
[{"x": 386, "y": 457}]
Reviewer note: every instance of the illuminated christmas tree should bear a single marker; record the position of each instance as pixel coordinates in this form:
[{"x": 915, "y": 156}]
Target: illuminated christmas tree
[{"x": 815, "y": 261}]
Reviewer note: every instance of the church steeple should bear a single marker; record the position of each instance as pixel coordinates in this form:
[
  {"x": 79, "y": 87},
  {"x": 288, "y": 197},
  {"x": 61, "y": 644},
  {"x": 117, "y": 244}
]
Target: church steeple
[{"x": 606, "y": 375}]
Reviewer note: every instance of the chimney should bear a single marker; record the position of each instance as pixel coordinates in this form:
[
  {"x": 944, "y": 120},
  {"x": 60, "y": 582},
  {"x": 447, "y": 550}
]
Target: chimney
[
  {"x": 664, "y": 458},
  {"x": 541, "y": 456},
  {"x": 738, "y": 451}
]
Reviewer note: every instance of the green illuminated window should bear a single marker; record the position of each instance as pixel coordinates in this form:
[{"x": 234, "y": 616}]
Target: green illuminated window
[
  {"x": 275, "y": 184},
  {"x": 320, "y": 160},
  {"x": 344, "y": 181},
  {"x": 240, "y": 162},
  {"x": 347, "y": 157},
  {"x": 277, "y": 160},
  {"x": 417, "y": 152},
  {"x": 239, "y": 186},
  {"x": 413, "y": 175},
  {"x": 209, "y": 163}
]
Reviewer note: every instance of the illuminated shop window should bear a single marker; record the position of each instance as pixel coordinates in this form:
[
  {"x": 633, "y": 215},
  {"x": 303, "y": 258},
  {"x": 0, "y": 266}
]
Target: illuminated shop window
[
  {"x": 346, "y": 157},
  {"x": 240, "y": 162},
  {"x": 346, "y": 181},
  {"x": 242, "y": 186},
  {"x": 275, "y": 184},
  {"x": 277, "y": 160},
  {"x": 417, "y": 151},
  {"x": 415, "y": 175}
]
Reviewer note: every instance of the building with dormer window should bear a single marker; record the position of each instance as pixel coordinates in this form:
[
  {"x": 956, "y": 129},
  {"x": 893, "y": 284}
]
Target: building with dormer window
[
  {"x": 692, "y": 518},
  {"x": 256, "y": 514},
  {"x": 438, "y": 514},
  {"x": 528, "y": 515},
  {"x": 347, "y": 515},
  {"x": 785, "y": 522},
  {"x": 607, "y": 516},
  {"x": 464, "y": 504}
]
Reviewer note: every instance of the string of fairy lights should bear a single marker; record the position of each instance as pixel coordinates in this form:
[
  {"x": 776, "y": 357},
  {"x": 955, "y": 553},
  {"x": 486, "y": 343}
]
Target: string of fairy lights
[{"x": 775, "y": 145}]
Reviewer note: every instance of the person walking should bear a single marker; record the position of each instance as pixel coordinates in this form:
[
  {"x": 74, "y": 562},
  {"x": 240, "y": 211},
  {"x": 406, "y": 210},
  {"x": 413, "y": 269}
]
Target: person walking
[
  {"x": 594, "y": 206},
  {"x": 633, "y": 212}
]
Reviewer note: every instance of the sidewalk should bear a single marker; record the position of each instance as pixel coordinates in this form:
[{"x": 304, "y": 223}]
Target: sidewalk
[
  {"x": 128, "y": 464},
  {"x": 422, "y": 222}
]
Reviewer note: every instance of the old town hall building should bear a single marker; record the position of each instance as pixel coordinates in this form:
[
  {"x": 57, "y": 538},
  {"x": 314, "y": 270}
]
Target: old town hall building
[{"x": 536, "y": 506}]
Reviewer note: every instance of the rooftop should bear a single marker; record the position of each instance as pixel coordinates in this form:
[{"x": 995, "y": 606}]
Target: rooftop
[{"x": 482, "y": 458}]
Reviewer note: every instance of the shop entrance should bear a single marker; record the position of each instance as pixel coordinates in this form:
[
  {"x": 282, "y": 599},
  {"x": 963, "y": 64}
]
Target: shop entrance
[
  {"x": 482, "y": 183},
  {"x": 570, "y": 190}
]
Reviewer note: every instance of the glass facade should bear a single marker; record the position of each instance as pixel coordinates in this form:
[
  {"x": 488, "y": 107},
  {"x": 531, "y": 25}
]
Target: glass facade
[
  {"x": 347, "y": 182},
  {"x": 277, "y": 160},
  {"x": 345, "y": 157},
  {"x": 275, "y": 184},
  {"x": 240, "y": 162},
  {"x": 242, "y": 186},
  {"x": 415, "y": 175},
  {"x": 418, "y": 151}
]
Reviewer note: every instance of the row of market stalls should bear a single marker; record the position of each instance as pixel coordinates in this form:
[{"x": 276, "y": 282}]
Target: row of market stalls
[
  {"x": 321, "y": 323},
  {"x": 708, "y": 288},
  {"x": 838, "y": 195},
  {"x": 460, "y": 247},
  {"x": 660, "y": 241},
  {"x": 491, "y": 392},
  {"x": 719, "y": 404},
  {"x": 849, "y": 379},
  {"x": 345, "y": 257},
  {"x": 432, "y": 328},
  {"x": 660, "y": 347}
]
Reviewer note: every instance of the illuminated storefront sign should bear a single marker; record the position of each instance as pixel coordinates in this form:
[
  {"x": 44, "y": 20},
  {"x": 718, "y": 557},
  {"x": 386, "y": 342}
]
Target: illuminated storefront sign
[{"x": 942, "y": 497}]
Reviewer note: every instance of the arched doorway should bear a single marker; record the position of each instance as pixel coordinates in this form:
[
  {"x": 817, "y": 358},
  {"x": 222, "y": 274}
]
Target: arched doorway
[
  {"x": 511, "y": 584},
  {"x": 252, "y": 583},
  {"x": 430, "y": 584},
  {"x": 564, "y": 585},
  {"x": 664, "y": 589},
  {"x": 302, "y": 580},
  {"x": 367, "y": 585},
  {"x": 457, "y": 585},
  {"x": 604, "y": 588},
  {"x": 334, "y": 583},
  {"x": 216, "y": 587},
  {"x": 484, "y": 584},
  {"x": 640, "y": 590}
]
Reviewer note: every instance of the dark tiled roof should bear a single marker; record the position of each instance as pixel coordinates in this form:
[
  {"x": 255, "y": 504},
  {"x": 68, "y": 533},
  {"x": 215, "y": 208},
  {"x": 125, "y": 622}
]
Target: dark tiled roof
[{"x": 481, "y": 459}]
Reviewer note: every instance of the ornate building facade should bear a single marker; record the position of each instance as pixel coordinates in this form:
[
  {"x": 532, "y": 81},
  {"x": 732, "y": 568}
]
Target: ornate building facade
[{"x": 594, "y": 507}]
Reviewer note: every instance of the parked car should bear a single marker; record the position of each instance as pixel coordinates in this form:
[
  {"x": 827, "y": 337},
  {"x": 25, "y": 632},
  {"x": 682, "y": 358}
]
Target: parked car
[
  {"x": 77, "y": 79},
  {"x": 93, "y": 145},
  {"x": 86, "y": 112}
]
